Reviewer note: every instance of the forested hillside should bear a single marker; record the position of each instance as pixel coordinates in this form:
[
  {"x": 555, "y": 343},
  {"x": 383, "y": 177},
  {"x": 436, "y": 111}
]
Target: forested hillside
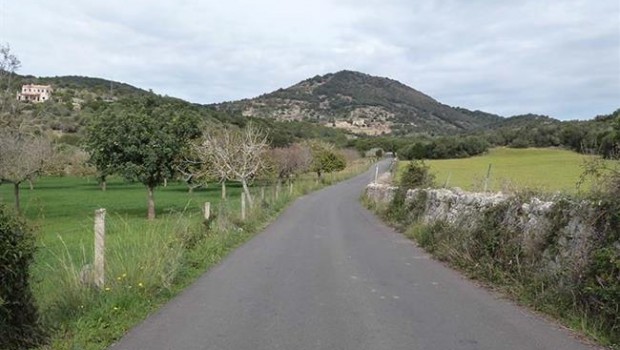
[{"x": 363, "y": 104}]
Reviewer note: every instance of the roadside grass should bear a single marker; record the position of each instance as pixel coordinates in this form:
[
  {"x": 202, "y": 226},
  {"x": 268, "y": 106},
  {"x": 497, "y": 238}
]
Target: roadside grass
[
  {"x": 542, "y": 169},
  {"x": 488, "y": 246},
  {"x": 147, "y": 263}
]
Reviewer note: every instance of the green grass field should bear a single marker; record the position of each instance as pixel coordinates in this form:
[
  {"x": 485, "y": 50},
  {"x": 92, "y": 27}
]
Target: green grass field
[
  {"x": 61, "y": 209},
  {"x": 146, "y": 262},
  {"x": 544, "y": 169}
]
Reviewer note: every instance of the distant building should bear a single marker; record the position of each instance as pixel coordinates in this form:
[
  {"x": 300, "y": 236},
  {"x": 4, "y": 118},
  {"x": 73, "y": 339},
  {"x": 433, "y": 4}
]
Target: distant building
[{"x": 35, "y": 93}]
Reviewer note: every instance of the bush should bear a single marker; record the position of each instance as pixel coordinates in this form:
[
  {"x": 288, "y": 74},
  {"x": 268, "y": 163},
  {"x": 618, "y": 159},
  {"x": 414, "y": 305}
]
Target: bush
[
  {"x": 19, "y": 327},
  {"x": 416, "y": 175}
]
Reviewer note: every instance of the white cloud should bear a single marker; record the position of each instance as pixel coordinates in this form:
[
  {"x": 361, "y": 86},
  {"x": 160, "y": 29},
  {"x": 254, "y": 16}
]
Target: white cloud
[{"x": 557, "y": 57}]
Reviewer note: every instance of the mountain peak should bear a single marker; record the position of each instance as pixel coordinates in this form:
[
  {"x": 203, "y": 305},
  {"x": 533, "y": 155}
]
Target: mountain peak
[{"x": 360, "y": 103}]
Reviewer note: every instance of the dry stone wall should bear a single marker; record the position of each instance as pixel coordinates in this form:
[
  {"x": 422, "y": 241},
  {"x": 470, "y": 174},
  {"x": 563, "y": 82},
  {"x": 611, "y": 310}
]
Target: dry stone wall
[{"x": 560, "y": 233}]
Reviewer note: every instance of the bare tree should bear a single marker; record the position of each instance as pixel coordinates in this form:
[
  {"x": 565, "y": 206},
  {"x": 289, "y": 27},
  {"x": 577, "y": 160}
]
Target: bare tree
[
  {"x": 9, "y": 108},
  {"x": 291, "y": 161},
  {"x": 235, "y": 154},
  {"x": 22, "y": 158},
  {"x": 69, "y": 161},
  {"x": 209, "y": 158},
  {"x": 9, "y": 64}
]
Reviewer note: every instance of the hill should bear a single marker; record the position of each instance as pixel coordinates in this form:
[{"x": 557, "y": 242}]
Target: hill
[
  {"x": 79, "y": 89},
  {"x": 361, "y": 103},
  {"x": 75, "y": 99}
]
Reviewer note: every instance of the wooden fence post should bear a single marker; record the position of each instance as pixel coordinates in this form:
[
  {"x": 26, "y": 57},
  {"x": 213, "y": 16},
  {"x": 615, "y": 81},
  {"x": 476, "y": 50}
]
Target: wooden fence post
[
  {"x": 99, "y": 275},
  {"x": 242, "y": 206}
]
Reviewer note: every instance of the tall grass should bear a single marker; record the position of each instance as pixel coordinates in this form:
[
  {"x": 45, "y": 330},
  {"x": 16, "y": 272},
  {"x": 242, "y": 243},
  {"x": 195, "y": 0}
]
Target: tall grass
[{"x": 147, "y": 262}]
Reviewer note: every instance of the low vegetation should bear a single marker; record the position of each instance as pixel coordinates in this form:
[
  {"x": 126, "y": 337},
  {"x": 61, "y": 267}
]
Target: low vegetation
[
  {"x": 19, "y": 317},
  {"x": 584, "y": 293}
]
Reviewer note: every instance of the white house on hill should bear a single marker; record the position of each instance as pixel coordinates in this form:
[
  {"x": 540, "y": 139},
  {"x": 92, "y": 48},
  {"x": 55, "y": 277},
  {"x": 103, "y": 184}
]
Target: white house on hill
[{"x": 35, "y": 93}]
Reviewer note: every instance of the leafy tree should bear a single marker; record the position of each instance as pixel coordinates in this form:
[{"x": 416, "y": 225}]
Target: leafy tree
[
  {"x": 142, "y": 140},
  {"x": 325, "y": 159}
]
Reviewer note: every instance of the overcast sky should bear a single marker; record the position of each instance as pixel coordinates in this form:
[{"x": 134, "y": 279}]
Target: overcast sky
[{"x": 554, "y": 57}]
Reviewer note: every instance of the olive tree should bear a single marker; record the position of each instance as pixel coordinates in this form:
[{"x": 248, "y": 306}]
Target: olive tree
[{"x": 143, "y": 140}]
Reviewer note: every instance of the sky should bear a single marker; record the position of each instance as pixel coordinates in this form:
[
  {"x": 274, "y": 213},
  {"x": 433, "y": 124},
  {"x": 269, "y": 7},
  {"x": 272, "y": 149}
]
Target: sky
[{"x": 554, "y": 57}]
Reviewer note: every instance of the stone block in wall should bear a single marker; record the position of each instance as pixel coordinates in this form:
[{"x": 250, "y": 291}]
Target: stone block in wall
[{"x": 380, "y": 193}]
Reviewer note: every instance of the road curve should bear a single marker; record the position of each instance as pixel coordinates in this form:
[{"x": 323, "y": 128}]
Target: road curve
[{"x": 329, "y": 275}]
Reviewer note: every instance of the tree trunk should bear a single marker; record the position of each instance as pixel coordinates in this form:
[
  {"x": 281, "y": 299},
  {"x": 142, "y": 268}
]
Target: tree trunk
[
  {"x": 103, "y": 183},
  {"x": 16, "y": 193},
  {"x": 191, "y": 190},
  {"x": 224, "y": 190},
  {"x": 246, "y": 190},
  {"x": 165, "y": 182},
  {"x": 151, "y": 203},
  {"x": 31, "y": 184}
]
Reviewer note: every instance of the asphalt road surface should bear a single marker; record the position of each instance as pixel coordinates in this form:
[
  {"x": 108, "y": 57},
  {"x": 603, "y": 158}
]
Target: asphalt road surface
[{"x": 329, "y": 275}]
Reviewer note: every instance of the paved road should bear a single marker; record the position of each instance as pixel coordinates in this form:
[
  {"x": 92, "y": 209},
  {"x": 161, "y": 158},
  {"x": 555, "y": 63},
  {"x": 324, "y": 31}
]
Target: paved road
[{"x": 329, "y": 275}]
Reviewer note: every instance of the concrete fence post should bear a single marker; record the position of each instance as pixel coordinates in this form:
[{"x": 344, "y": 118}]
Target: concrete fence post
[
  {"x": 262, "y": 194},
  {"x": 99, "y": 270},
  {"x": 243, "y": 206},
  {"x": 207, "y": 210},
  {"x": 376, "y": 173}
]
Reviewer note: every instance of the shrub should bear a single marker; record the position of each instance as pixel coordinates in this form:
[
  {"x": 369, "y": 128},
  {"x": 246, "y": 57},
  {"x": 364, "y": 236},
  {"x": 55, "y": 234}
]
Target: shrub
[
  {"x": 19, "y": 325},
  {"x": 416, "y": 175}
]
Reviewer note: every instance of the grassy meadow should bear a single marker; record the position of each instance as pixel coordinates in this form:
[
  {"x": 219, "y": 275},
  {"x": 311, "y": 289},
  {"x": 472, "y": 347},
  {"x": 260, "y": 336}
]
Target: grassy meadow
[
  {"x": 146, "y": 262},
  {"x": 543, "y": 169}
]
